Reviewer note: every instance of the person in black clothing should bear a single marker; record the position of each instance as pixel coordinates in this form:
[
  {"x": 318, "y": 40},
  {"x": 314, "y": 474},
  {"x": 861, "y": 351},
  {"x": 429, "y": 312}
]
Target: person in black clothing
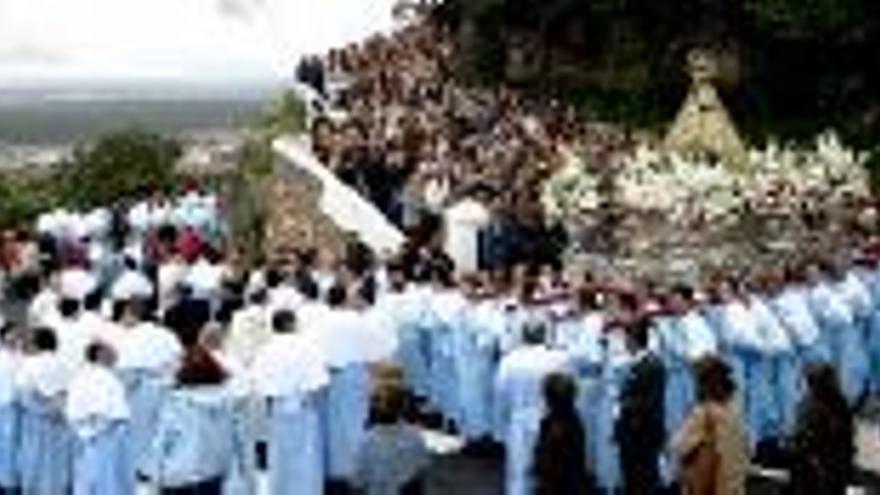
[
  {"x": 823, "y": 444},
  {"x": 640, "y": 430},
  {"x": 560, "y": 454}
]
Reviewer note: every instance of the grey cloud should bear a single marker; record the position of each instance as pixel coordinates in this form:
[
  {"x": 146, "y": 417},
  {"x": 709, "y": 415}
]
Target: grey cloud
[
  {"x": 29, "y": 53},
  {"x": 242, "y": 10}
]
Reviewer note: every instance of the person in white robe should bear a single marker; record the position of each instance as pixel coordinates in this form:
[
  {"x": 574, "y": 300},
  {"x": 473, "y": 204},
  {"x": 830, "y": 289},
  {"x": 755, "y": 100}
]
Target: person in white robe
[
  {"x": 45, "y": 442},
  {"x": 10, "y": 360},
  {"x": 839, "y": 332},
  {"x": 149, "y": 355},
  {"x": 131, "y": 283},
  {"x": 43, "y": 309},
  {"x": 98, "y": 327},
  {"x": 205, "y": 278},
  {"x": 289, "y": 373},
  {"x": 73, "y": 337},
  {"x": 779, "y": 367},
  {"x": 853, "y": 344},
  {"x": 247, "y": 415},
  {"x": 349, "y": 346},
  {"x": 76, "y": 283},
  {"x": 519, "y": 403},
  {"x": 251, "y": 327},
  {"x": 448, "y": 311},
  {"x": 172, "y": 273},
  {"x": 742, "y": 346},
  {"x": 282, "y": 295},
  {"x": 97, "y": 411},
  {"x": 462, "y": 223}
]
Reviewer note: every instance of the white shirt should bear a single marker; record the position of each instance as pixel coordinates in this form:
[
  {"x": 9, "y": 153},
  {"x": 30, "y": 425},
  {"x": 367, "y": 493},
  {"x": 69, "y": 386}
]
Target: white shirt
[
  {"x": 43, "y": 373},
  {"x": 131, "y": 284},
  {"x": 148, "y": 346},
  {"x": 44, "y": 308},
  {"x": 289, "y": 366},
  {"x": 95, "y": 393},
  {"x": 77, "y": 283},
  {"x": 463, "y": 224},
  {"x": 250, "y": 329}
]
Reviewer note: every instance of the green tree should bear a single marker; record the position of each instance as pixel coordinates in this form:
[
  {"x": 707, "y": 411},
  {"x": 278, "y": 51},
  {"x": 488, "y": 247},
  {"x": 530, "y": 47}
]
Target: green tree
[{"x": 117, "y": 166}]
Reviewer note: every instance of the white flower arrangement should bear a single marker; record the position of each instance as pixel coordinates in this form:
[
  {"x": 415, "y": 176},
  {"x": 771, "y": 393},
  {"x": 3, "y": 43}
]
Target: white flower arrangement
[{"x": 778, "y": 180}]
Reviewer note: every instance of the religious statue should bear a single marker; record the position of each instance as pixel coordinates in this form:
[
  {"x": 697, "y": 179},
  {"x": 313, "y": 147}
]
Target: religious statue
[{"x": 703, "y": 127}]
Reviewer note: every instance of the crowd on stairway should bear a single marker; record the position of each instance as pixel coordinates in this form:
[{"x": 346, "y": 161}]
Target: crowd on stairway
[{"x": 414, "y": 141}]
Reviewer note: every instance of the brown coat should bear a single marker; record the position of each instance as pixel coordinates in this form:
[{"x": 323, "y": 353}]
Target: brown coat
[{"x": 719, "y": 424}]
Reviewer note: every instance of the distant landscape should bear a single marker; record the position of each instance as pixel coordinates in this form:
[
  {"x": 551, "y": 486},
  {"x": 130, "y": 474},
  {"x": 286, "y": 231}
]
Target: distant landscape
[{"x": 69, "y": 114}]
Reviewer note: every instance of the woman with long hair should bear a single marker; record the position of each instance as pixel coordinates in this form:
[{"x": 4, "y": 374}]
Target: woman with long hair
[{"x": 823, "y": 444}]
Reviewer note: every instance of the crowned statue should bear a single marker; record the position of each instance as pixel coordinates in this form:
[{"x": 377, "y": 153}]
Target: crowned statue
[{"x": 703, "y": 127}]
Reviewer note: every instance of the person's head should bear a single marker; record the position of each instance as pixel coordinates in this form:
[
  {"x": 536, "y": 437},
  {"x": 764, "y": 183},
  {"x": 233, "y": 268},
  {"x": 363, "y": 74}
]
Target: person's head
[
  {"x": 681, "y": 299},
  {"x": 130, "y": 263},
  {"x": 257, "y": 297},
  {"x": 638, "y": 334},
  {"x": 68, "y": 308},
  {"x": 284, "y": 322},
  {"x": 337, "y": 296},
  {"x": 387, "y": 403},
  {"x": 139, "y": 309},
  {"x": 307, "y": 286},
  {"x": 534, "y": 333},
  {"x": 92, "y": 301},
  {"x": 559, "y": 393},
  {"x": 44, "y": 340},
  {"x": 714, "y": 380},
  {"x": 101, "y": 354}
]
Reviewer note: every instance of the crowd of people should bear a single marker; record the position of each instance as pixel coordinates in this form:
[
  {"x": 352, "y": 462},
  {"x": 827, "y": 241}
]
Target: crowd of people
[
  {"x": 146, "y": 355},
  {"x": 414, "y": 141}
]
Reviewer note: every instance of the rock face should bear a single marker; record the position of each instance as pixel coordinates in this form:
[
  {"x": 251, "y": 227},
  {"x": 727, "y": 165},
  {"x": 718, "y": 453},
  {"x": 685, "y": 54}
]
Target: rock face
[{"x": 294, "y": 220}]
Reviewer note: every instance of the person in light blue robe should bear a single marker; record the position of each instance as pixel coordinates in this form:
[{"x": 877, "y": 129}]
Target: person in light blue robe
[
  {"x": 781, "y": 365},
  {"x": 45, "y": 442},
  {"x": 837, "y": 321},
  {"x": 581, "y": 337},
  {"x": 98, "y": 412},
  {"x": 743, "y": 349},
  {"x": 858, "y": 297},
  {"x": 869, "y": 273},
  {"x": 192, "y": 450},
  {"x": 148, "y": 358},
  {"x": 193, "y": 445},
  {"x": 519, "y": 404},
  {"x": 9, "y": 412},
  {"x": 414, "y": 350},
  {"x": 476, "y": 362},
  {"x": 290, "y": 375},
  {"x": 790, "y": 306},
  {"x": 448, "y": 307},
  {"x": 347, "y": 342}
]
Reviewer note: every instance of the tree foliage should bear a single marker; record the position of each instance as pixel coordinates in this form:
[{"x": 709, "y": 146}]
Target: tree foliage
[
  {"x": 790, "y": 67},
  {"x": 117, "y": 166}
]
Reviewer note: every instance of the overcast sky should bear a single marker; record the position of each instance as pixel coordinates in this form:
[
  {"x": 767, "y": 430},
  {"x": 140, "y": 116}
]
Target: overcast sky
[{"x": 192, "y": 39}]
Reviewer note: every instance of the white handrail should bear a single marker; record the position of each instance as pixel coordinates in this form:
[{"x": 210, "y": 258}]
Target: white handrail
[{"x": 339, "y": 202}]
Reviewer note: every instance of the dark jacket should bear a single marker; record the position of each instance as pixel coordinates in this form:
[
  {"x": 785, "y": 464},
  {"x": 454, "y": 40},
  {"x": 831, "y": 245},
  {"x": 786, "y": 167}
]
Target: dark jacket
[
  {"x": 823, "y": 450},
  {"x": 640, "y": 429},
  {"x": 560, "y": 456}
]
